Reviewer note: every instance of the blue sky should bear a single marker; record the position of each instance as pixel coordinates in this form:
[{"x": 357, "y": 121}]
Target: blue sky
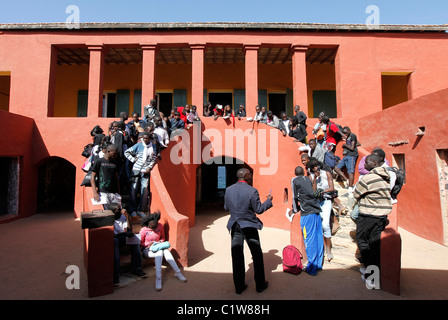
[{"x": 313, "y": 11}]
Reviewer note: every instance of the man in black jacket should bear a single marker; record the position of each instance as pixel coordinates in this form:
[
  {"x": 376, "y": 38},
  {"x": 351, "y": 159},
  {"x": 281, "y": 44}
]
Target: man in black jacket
[
  {"x": 243, "y": 202},
  {"x": 306, "y": 203}
]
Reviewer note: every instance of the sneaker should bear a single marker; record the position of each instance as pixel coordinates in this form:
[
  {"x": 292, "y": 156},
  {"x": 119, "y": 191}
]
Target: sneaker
[
  {"x": 158, "y": 283},
  {"x": 362, "y": 270},
  {"x": 134, "y": 214},
  {"x": 180, "y": 276},
  {"x": 140, "y": 273},
  {"x": 141, "y": 214},
  {"x": 369, "y": 283}
]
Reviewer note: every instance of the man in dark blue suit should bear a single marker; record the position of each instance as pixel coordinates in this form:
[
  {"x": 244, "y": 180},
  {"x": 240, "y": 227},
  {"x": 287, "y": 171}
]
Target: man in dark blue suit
[{"x": 243, "y": 202}]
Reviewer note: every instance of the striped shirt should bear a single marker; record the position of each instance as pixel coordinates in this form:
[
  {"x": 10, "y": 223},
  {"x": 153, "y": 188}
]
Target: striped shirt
[
  {"x": 136, "y": 154},
  {"x": 373, "y": 193}
]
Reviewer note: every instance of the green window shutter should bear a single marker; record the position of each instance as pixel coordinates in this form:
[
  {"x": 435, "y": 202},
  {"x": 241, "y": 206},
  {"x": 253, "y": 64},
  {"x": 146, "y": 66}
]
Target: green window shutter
[
  {"x": 137, "y": 101},
  {"x": 239, "y": 97},
  {"x": 262, "y": 98},
  {"x": 289, "y": 102},
  {"x": 205, "y": 96},
  {"x": 324, "y": 100},
  {"x": 122, "y": 102},
  {"x": 83, "y": 97},
  {"x": 179, "y": 97}
]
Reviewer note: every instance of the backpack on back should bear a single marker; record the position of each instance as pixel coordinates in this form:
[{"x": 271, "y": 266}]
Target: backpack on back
[
  {"x": 292, "y": 260},
  {"x": 401, "y": 176}
]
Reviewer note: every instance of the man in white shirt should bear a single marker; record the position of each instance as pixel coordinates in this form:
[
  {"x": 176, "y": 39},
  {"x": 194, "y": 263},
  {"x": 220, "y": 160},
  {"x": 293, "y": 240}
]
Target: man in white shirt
[
  {"x": 283, "y": 124},
  {"x": 161, "y": 132}
]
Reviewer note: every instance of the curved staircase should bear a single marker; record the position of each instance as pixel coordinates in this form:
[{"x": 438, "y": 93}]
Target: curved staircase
[{"x": 343, "y": 245}]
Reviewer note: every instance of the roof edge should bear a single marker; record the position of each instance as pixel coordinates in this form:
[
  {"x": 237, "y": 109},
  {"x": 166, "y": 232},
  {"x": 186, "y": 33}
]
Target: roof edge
[{"x": 223, "y": 25}]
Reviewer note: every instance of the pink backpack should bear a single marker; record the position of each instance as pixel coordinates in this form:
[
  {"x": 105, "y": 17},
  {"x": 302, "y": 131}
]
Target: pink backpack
[{"x": 292, "y": 260}]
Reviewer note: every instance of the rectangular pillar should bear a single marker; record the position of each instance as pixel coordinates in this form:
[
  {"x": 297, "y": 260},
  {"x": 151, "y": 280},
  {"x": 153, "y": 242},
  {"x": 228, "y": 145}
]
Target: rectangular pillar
[
  {"x": 148, "y": 74},
  {"x": 251, "y": 76},
  {"x": 52, "y": 81},
  {"x": 96, "y": 75},
  {"x": 197, "y": 80},
  {"x": 300, "y": 90},
  {"x": 98, "y": 230}
]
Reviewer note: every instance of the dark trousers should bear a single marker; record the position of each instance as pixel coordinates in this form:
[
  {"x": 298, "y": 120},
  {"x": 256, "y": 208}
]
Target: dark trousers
[
  {"x": 136, "y": 257},
  {"x": 368, "y": 238},
  {"x": 253, "y": 241}
]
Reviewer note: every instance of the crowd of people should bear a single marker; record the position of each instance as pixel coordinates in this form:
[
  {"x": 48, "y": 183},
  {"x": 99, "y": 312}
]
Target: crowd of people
[
  {"x": 315, "y": 195},
  {"x": 119, "y": 163},
  {"x": 121, "y": 159}
]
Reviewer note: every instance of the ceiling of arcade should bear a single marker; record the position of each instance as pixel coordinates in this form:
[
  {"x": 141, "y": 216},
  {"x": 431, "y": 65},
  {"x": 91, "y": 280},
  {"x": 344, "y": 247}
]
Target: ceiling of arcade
[{"x": 182, "y": 55}]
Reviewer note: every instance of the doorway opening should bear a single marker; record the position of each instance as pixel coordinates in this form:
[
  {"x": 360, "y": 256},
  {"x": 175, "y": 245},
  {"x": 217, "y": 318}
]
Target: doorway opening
[
  {"x": 109, "y": 104},
  {"x": 213, "y": 179},
  {"x": 222, "y": 98},
  {"x": 56, "y": 186},
  {"x": 164, "y": 102},
  {"x": 442, "y": 170},
  {"x": 277, "y": 102},
  {"x": 9, "y": 186}
]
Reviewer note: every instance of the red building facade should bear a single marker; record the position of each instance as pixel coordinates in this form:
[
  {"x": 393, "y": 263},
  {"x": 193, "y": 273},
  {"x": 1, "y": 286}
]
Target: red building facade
[{"x": 386, "y": 84}]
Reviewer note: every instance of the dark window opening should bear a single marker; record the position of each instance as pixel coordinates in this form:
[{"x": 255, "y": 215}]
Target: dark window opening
[
  {"x": 109, "y": 104},
  {"x": 165, "y": 102},
  {"x": 5, "y": 86},
  {"x": 222, "y": 98},
  {"x": 277, "y": 103},
  {"x": 394, "y": 89}
]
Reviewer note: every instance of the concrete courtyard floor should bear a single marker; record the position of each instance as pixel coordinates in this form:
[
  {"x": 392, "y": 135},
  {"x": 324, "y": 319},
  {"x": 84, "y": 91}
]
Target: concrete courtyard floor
[{"x": 36, "y": 251}]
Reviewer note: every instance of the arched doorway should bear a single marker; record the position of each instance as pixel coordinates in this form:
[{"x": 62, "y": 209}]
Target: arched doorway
[
  {"x": 213, "y": 178},
  {"x": 56, "y": 185}
]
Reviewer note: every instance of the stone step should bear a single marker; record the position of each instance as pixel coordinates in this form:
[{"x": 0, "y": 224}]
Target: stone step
[{"x": 344, "y": 247}]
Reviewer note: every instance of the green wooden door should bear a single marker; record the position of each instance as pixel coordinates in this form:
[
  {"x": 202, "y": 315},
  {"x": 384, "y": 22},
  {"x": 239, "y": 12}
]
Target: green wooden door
[
  {"x": 83, "y": 97},
  {"x": 179, "y": 97},
  {"x": 239, "y": 97},
  {"x": 137, "y": 101},
  {"x": 324, "y": 100},
  {"x": 122, "y": 102}
]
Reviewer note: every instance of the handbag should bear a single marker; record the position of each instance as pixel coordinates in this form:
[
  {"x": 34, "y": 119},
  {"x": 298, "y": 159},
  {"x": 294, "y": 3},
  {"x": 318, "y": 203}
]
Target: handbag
[
  {"x": 331, "y": 195},
  {"x": 86, "y": 182},
  {"x": 319, "y": 194},
  {"x": 87, "y": 150},
  {"x": 160, "y": 246},
  {"x": 87, "y": 165},
  {"x": 292, "y": 260}
]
